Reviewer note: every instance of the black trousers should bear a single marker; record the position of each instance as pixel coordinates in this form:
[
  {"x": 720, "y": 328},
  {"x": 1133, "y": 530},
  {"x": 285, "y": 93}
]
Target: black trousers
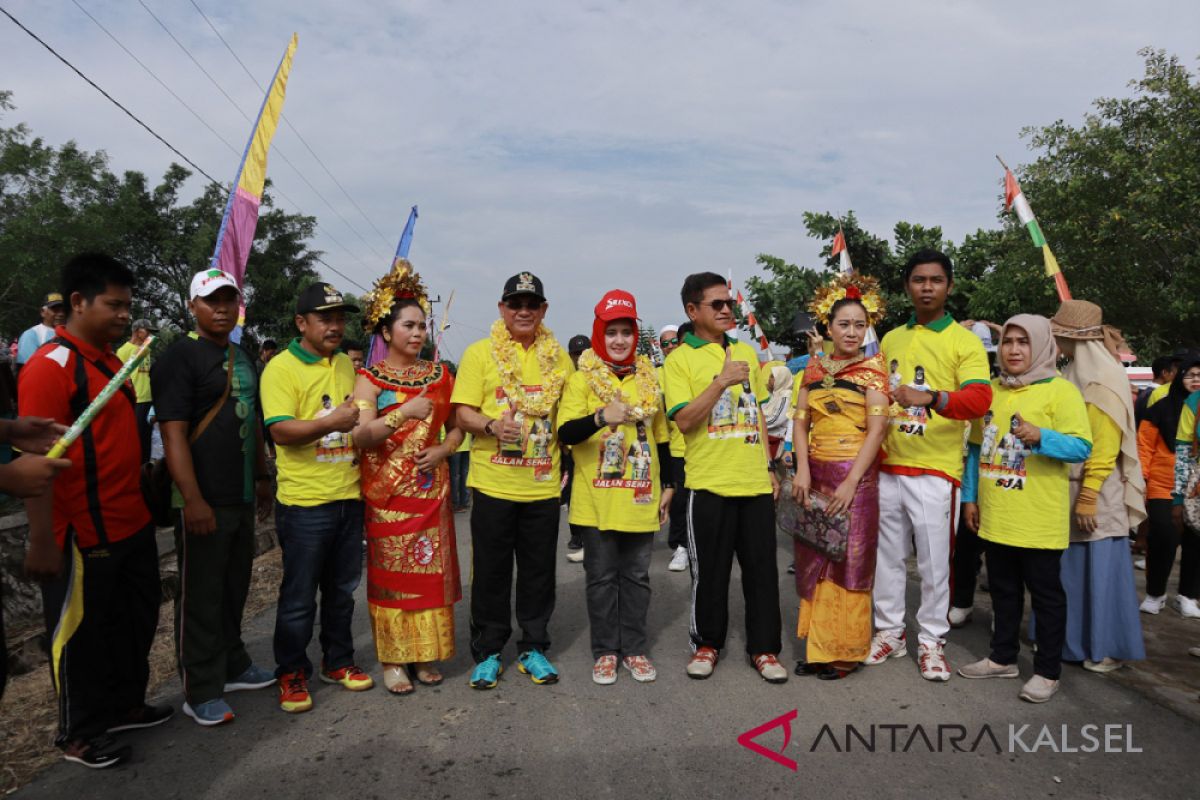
[
  {"x": 1162, "y": 540},
  {"x": 677, "y": 532},
  {"x": 968, "y": 555},
  {"x": 1012, "y": 570},
  {"x": 110, "y": 596},
  {"x": 718, "y": 529},
  {"x": 142, "y": 412},
  {"x": 503, "y": 531}
]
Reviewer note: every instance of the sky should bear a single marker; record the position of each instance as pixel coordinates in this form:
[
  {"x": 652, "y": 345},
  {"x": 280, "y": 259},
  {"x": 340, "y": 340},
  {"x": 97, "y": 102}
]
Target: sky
[{"x": 598, "y": 145}]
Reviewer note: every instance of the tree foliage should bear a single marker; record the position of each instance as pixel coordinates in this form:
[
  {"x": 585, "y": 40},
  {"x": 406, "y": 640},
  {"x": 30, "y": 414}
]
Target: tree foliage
[
  {"x": 58, "y": 201},
  {"x": 1118, "y": 197}
]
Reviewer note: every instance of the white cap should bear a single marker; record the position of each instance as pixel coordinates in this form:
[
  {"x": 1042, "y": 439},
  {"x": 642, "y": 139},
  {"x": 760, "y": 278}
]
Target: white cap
[
  {"x": 206, "y": 282},
  {"x": 668, "y": 329}
]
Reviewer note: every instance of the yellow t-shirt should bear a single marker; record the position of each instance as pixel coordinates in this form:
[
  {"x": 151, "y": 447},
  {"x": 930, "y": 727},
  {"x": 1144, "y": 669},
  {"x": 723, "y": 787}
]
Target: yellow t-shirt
[
  {"x": 1024, "y": 498},
  {"x": 616, "y": 485},
  {"x": 525, "y": 473},
  {"x": 297, "y": 384},
  {"x": 141, "y": 376},
  {"x": 941, "y": 356},
  {"x": 1158, "y": 393},
  {"x": 728, "y": 455},
  {"x": 677, "y": 445}
]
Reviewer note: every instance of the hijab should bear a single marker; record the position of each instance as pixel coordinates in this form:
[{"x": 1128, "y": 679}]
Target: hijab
[
  {"x": 781, "y": 395},
  {"x": 1042, "y": 356},
  {"x": 1165, "y": 414},
  {"x": 615, "y": 305}
]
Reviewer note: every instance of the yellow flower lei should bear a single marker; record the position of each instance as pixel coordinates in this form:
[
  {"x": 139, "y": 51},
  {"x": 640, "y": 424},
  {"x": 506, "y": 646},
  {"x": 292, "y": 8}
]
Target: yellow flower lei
[
  {"x": 510, "y": 365},
  {"x": 645, "y": 380}
]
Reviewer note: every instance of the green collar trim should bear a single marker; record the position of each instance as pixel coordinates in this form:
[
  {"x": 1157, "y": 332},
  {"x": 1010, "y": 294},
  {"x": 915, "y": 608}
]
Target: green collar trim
[
  {"x": 695, "y": 341},
  {"x": 295, "y": 348},
  {"x": 937, "y": 326}
]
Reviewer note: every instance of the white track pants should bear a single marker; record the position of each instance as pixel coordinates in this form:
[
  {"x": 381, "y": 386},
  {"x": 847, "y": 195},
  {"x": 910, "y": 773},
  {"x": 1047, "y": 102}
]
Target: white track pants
[{"x": 915, "y": 511}]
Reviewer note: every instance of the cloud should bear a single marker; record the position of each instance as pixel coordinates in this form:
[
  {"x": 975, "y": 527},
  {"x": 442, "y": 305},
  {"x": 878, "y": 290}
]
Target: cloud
[{"x": 612, "y": 144}]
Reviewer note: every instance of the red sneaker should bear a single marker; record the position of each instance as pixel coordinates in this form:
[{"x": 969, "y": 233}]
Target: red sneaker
[
  {"x": 350, "y": 677},
  {"x": 293, "y": 692}
]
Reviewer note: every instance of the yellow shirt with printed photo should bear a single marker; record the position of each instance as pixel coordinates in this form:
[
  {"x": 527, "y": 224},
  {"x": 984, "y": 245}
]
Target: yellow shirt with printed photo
[
  {"x": 727, "y": 455},
  {"x": 1024, "y": 498},
  {"x": 941, "y": 356},
  {"x": 297, "y": 384},
  {"x": 616, "y": 485},
  {"x": 524, "y": 472}
]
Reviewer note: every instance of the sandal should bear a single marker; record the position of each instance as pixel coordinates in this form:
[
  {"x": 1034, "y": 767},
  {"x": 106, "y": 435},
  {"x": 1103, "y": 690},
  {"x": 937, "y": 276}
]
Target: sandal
[
  {"x": 427, "y": 675},
  {"x": 396, "y": 680}
]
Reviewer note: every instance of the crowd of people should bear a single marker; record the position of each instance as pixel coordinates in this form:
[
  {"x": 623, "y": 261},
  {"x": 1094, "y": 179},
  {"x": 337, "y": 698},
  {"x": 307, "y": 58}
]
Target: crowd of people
[{"x": 932, "y": 445}]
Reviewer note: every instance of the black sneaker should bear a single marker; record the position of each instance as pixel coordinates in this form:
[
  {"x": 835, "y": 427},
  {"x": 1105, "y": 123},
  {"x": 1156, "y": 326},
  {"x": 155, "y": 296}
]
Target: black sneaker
[
  {"x": 145, "y": 717},
  {"x": 98, "y": 753}
]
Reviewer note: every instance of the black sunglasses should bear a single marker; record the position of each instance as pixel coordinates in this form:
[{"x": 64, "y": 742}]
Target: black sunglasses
[
  {"x": 523, "y": 305},
  {"x": 669, "y": 342},
  {"x": 718, "y": 305}
]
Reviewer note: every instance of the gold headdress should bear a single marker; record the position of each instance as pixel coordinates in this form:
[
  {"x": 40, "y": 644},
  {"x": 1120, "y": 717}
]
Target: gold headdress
[
  {"x": 854, "y": 286},
  {"x": 401, "y": 283}
]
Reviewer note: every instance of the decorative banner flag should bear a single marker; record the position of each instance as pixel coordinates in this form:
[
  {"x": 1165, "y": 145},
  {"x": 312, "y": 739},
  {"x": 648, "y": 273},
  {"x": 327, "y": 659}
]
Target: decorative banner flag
[
  {"x": 236, "y": 235},
  {"x": 752, "y": 323},
  {"x": 445, "y": 323},
  {"x": 871, "y": 340},
  {"x": 378, "y": 348},
  {"x": 1014, "y": 199}
]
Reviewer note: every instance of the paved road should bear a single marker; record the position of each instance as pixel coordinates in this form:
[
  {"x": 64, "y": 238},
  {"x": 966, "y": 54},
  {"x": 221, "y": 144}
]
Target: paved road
[{"x": 672, "y": 738}]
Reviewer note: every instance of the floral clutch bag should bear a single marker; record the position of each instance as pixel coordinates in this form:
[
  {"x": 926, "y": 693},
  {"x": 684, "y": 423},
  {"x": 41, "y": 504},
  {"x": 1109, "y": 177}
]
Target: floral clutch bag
[{"x": 814, "y": 527}]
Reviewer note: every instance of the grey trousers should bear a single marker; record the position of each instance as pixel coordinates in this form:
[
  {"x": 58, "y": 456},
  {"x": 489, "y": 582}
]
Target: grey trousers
[{"x": 617, "y": 565}]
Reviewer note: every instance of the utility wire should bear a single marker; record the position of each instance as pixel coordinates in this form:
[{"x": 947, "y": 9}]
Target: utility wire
[
  {"x": 278, "y": 151},
  {"x": 168, "y": 145},
  {"x": 151, "y": 73},
  {"x": 288, "y": 122},
  {"x": 108, "y": 96}
]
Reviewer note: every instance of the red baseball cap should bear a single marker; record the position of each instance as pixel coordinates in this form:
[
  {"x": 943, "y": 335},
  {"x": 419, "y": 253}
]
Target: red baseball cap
[{"x": 616, "y": 304}]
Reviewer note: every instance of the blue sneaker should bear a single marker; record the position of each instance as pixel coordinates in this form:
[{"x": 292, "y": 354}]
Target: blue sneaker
[
  {"x": 210, "y": 712},
  {"x": 255, "y": 677},
  {"x": 539, "y": 669},
  {"x": 487, "y": 672}
]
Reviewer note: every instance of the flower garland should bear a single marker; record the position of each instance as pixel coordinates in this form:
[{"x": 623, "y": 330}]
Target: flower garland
[
  {"x": 644, "y": 378},
  {"x": 510, "y": 365}
]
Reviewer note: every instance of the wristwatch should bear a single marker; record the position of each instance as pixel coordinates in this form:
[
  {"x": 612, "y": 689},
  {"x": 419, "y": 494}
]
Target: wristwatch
[{"x": 487, "y": 429}]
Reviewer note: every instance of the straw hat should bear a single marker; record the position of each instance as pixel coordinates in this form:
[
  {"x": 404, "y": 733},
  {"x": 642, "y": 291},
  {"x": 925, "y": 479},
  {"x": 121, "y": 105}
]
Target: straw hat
[{"x": 1078, "y": 319}]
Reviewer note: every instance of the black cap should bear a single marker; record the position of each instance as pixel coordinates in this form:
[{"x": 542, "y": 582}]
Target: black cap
[
  {"x": 53, "y": 299},
  {"x": 524, "y": 283},
  {"x": 322, "y": 297},
  {"x": 578, "y": 344}
]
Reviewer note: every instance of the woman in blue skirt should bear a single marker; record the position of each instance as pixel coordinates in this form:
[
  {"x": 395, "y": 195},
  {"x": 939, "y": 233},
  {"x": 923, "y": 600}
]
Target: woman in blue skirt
[{"x": 1107, "y": 496}]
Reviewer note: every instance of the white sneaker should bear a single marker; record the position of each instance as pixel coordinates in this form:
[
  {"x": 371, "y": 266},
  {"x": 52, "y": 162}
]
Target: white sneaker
[
  {"x": 1106, "y": 664},
  {"x": 884, "y": 646},
  {"x": 933, "y": 663},
  {"x": 1187, "y": 607},
  {"x": 575, "y": 556},
  {"x": 960, "y": 616},
  {"x": 1152, "y": 604},
  {"x": 679, "y": 561},
  {"x": 1139, "y": 563}
]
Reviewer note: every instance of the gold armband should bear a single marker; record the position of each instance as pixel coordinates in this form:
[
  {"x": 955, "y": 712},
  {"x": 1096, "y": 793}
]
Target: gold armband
[
  {"x": 363, "y": 405},
  {"x": 395, "y": 419},
  {"x": 800, "y": 415},
  {"x": 877, "y": 411}
]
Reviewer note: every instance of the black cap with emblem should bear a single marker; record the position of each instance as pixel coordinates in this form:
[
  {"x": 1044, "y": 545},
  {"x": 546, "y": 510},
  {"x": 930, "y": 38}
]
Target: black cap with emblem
[
  {"x": 523, "y": 283},
  {"x": 322, "y": 297}
]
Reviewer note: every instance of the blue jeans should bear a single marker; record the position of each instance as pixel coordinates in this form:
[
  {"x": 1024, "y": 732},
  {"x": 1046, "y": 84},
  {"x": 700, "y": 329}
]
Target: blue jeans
[
  {"x": 322, "y": 548},
  {"x": 460, "y": 495}
]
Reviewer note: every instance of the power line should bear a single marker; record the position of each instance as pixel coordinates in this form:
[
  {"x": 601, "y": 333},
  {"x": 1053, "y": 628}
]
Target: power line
[
  {"x": 151, "y": 73},
  {"x": 288, "y": 122},
  {"x": 108, "y": 96},
  {"x": 170, "y": 146},
  {"x": 278, "y": 151}
]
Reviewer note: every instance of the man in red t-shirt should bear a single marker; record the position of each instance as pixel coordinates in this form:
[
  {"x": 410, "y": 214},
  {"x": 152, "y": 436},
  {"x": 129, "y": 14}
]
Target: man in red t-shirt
[{"x": 91, "y": 540}]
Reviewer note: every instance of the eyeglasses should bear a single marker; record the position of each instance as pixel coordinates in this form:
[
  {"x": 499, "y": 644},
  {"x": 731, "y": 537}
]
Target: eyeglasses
[
  {"x": 523, "y": 305},
  {"x": 669, "y": 342},
  {"x": 718, "y": 305}
]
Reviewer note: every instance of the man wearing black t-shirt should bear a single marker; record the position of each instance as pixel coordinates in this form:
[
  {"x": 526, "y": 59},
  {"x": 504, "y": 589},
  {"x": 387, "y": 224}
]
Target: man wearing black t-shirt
[{"x": 205, "y": 396}]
